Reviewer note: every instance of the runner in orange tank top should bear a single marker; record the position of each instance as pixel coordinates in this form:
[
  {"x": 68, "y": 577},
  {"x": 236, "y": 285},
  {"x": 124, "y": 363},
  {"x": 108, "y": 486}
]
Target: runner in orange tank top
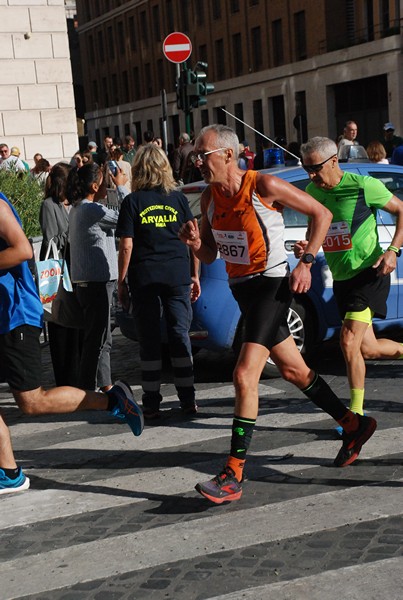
[{"x": 241, "y": 218}]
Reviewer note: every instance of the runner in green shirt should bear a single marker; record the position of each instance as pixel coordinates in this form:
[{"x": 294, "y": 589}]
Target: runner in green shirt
[{"x": 360, "y": 268}]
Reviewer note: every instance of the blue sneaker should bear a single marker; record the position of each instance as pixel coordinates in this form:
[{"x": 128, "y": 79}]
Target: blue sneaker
[
  {"x": 7, "y": 485},
  {"x": 127, "y": 409}
]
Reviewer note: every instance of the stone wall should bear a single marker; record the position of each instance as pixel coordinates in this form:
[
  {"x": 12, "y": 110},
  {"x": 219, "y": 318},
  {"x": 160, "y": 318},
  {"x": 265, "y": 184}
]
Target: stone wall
[{"x": 37, "y": 111}]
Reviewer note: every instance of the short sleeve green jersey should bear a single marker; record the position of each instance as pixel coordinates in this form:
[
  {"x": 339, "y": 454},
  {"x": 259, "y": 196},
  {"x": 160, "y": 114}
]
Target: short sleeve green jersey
[{"x": 351, "y": 244}]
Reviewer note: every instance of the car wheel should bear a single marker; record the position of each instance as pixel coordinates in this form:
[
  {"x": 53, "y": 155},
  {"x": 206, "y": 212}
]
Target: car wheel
[{"x": 302, "y": 329}]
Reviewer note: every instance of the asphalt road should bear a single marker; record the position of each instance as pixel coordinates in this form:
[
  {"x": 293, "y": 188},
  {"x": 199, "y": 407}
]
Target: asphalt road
[{"x": 110, "y": 516}]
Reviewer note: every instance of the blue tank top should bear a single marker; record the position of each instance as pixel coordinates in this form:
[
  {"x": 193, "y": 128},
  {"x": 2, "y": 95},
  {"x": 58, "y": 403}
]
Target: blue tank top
[{"x": 19, "y": 300}]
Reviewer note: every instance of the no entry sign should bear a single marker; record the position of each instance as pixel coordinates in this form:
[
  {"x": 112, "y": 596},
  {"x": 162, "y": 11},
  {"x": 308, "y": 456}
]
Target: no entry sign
[{"x": 177, "y": 47}]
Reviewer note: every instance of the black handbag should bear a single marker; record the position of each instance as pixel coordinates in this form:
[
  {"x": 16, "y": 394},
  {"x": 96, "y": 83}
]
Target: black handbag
[{"x": 66, "y": 310}]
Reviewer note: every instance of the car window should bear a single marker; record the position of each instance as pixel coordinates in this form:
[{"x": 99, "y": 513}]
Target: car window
[
  {"x": 393, "y": 181},
  {"x": 292, "y": 218}
]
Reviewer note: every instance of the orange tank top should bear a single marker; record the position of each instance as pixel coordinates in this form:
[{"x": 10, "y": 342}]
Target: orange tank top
[{"x": 249, "y": 233}]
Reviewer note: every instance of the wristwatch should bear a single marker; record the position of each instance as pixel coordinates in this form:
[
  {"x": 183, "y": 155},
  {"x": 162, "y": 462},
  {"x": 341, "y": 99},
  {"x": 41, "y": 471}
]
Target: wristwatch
[{"x": 308, "y": 259}]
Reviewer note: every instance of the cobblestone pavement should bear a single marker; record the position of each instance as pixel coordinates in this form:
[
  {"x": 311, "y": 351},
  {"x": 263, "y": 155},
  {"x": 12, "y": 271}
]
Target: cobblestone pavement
[{"x": 112, "y": 516}]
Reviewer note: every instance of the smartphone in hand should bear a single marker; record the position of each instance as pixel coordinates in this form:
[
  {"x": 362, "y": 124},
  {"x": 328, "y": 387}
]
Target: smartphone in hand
[{"x": 113, "y": 167}]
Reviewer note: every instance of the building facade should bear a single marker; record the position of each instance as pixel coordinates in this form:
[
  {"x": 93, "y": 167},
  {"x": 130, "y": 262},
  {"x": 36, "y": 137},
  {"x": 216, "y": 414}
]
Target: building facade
[
  {"x": 288, "y": 68},
  {"x": 37, "y": 111}
]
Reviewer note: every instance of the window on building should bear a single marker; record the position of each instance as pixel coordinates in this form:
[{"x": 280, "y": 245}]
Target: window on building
[
  {"x": 160, "y": 73},
  {"x": 169, "y": 11},
  {"x": 220, "y": 116},
  {"x": 144, "y": 28},
  {"x": 258, "y": 121},
  {"x": 300, "y": 35},
  {"x": 105, "y": 91},
  {"x": 239, "y": 127},
  {"x": 132, "y": 35},
  {"x": 199, "y": 13},
  {"x": 91, "y": 50},
  {"x": 111, "y": 43},
  {"x": 219, "y": 58},
  {"x": 138, "y": 135},
  {"x": 369, "y": 14},
  {"x": 126, "y": 91},
  {"x": 300, "y": 120},
  {"x": 156, "y": 23},
  {"x": 277, "y": 116},
  {"x": 101, "y": 48},
  {"x": 277, "y": 37},
  {"x": 136, "y": 82},
  {"x": 184, "y": 7},
  {"x": 216, "y": 6},
  {"x": 117, "y": 132},
  {"x": 150, "y": 125},
  {"x": 384, "y": 15},
  {"x": 127, "y": 128},
  {"x": 234, "y": 6},
  {"x": 115, "y": 89},
  {"x": 237, "y": 53},
  {"x": 204, "y": 117},
  {"x": 256, "y": 37},
  {"x": 148, "y": 80},
  {"x": 121, "y": 38},
  {"x": 95, "y": 94},
  {"x": 203, "y": 56}
]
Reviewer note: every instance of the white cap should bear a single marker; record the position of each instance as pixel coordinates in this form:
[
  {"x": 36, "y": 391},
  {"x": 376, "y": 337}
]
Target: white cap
[{"x": 388, "y": 126}]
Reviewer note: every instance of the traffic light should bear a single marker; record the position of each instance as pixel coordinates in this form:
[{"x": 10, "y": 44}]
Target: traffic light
[
  {"x": 198, "y": 88},
  {"x": 192, "y": 88}
]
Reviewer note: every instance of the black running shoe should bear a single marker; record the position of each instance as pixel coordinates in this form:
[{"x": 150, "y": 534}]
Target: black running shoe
[
  {"x": 353, "y": 441},
  {"x": 224, "y": 487}
]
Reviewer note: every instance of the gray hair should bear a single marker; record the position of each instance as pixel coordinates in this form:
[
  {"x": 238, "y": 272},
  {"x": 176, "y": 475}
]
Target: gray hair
[
  {"x": 185, "y": 137},
  {"x": 324, "y": 146},
  {"x": 226, "y": 137}
]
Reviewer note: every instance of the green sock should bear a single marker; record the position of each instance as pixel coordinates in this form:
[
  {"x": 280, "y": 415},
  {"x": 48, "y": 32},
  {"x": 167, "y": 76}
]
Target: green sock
[
  {"x": 357, "y": 401},
  {"x": 401, "y": 356}
]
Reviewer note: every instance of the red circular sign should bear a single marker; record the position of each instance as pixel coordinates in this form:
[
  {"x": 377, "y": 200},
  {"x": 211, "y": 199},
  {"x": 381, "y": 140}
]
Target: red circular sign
[{"x": 177, "y": 47}]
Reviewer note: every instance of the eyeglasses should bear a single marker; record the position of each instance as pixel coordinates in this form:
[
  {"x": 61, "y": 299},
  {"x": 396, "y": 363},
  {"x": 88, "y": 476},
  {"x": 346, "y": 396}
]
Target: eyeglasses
[
  {"x": 318, "y": 167},
  {"x": 201, "y": 157}
]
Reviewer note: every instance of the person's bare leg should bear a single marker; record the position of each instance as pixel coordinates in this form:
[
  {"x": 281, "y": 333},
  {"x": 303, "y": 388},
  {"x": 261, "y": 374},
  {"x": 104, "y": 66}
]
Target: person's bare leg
[
  {"x": 382, "y": 348},
  {"x": 7, "y": 460},
  {"x": 59, "y": 400}
]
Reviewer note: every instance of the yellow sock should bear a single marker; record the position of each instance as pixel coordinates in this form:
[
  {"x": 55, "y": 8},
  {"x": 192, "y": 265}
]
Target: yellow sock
[{"x": 357, "y": 401}]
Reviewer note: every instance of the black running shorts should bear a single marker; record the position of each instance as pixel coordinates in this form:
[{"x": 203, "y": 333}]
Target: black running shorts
[
  {"x": 264, "y": 303},
  {"x": 20, "y": 358},
  {"x": 365, "y": 290}
]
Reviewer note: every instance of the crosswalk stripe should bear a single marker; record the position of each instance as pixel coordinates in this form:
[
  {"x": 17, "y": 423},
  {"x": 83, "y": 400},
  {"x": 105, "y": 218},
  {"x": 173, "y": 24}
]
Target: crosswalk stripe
[
  {"x": 376, "y": 580},
  {"x": 23, "y": 509},
  {"x": 199, "y": 537}
]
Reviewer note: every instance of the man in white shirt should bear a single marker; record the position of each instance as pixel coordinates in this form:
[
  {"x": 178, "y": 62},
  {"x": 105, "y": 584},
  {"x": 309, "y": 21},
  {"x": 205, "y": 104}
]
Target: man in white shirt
[
  {"x": 349, "y": 138},
  {"x": 11, "y": 162}
]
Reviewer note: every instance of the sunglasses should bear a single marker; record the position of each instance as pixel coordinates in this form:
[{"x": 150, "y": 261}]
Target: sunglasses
[
  {"x": 318, "y": 167},
  {"x": 201, "y": 157}
]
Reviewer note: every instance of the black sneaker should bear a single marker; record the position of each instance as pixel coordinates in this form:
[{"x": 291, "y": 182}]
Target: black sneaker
[
  {"x": 353, "y": 441},
  {"x": 189, "y": 408},
  {"x": 224, "y": 487}
]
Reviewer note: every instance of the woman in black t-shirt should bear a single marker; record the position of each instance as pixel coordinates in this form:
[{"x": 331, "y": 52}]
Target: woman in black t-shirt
[{"x": 155, "y": 270}]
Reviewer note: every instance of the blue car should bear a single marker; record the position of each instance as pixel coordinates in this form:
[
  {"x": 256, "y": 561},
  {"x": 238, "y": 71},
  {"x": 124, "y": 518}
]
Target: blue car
[{"x": 313, "y": 317}]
